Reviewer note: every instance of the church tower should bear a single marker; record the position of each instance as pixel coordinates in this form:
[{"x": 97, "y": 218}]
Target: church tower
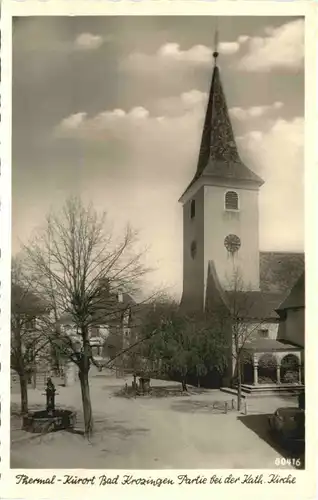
[{"x": 220, "y": 208}]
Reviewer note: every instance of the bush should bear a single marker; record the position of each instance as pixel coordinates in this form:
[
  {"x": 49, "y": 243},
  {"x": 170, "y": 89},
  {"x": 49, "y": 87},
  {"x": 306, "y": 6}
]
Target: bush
[{"x": 291, "y": 377}]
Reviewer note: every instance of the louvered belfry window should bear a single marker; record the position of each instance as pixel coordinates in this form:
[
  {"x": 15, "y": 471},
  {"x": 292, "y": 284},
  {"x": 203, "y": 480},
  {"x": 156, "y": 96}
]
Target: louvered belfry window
[{"x": 231, "y": 200}]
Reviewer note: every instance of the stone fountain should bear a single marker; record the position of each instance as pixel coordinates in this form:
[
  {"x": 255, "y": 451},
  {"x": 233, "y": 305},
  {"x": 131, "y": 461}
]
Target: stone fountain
[{"x": 50, "y": 419}]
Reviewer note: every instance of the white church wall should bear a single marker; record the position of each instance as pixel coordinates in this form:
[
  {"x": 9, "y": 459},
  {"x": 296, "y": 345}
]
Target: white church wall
[
  {"x": 256, "y": 328},
  {"x": 294, "y": 330},
  {"x": 193, "y": 265},
  {"x": 218, "y": 223}
]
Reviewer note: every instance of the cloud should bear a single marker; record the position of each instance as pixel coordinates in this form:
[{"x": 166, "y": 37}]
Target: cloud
[
  {"x": 166, "y": 58},
  {"x": 252, "y": 112},
  {"x": 282, "y": 139},
  {"x": 161, "y": 147},
  {"x": 228, "y": 48},
  {"x": 88, "y": 41},
  {"x": 243, "y": 38},
  {"x": 193, "y": 97},
  {"x": 281, "y": 47},
  {"x": 165, "y": 137},
  {"x": 199, "y": 54},
  {"x": 162, "y": 151},
  {"x": 81, "y": 126},
  {"x": 72, "y": 122},
  {"x": 171, "y": 53},
  {"x": 138, "y": 113},
  {"x": 172, "y": 129},
  {"x": 277, "y": 154},
  {"x": 280, "y": 130},
  {"x": 158, "y": 151},
  {"x": 119, "y": 121},
  {"x": 194, "y": 100},
  {"x": 28, "y": 34}
]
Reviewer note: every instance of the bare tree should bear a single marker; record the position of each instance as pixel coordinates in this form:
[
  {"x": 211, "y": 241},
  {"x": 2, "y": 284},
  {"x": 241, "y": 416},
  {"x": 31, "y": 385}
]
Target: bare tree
[
  {"x": 243, "y": 326},
  {"x": 27, "y": 342},
  {"x": 77, "y": 266}
]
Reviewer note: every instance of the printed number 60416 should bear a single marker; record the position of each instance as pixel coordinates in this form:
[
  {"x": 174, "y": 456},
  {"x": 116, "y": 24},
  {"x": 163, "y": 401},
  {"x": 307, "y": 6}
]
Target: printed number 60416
[{"x": 288, "y": 461}]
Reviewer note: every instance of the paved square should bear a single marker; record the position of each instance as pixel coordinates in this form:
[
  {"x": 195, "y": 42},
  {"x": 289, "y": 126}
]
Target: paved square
[{"x": 152, "y": 433}]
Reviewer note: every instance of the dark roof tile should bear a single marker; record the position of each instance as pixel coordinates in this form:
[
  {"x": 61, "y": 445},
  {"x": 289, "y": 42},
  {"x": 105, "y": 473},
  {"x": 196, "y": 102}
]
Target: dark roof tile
[
  {"x": 279, "y": 271},
  {"x": 218, "y": 155},
  {"x": 296, "y": 298},
  {"x": 254, "y": 305},
  {"x": 265, "y": 345}
]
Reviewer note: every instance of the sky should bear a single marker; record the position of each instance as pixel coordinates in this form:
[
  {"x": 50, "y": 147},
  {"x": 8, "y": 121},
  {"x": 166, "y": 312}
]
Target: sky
[{"x": 112, "y": 109}]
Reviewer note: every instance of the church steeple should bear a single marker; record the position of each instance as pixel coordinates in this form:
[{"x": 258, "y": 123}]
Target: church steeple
[
  {"x": 217, "y": 143},
  {"x": 220, "y": 208},
  {"x": 218, "y": 154}
]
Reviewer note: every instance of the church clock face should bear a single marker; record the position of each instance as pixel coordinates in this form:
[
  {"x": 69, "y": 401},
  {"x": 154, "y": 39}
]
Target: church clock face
[{"x": 232, "y": 243}]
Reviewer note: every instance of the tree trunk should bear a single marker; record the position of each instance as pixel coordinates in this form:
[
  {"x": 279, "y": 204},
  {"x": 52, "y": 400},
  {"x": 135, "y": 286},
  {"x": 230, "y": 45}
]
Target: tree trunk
[
  {"x": 34, "y": 374},
  {"x": 84, "y": 367},
  {"x": 198, "y": 382},
  {"x": 184, "y": 385},
  {"x": 87, "y": 406},
  {"x": 24, "y": 393},
  {"x": 239, "y": 385},
  {"x": 135, "y": 384}
]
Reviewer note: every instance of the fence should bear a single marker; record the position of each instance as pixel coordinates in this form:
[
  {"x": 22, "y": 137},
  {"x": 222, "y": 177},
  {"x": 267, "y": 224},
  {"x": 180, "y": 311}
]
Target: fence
[
  {"x": 228, "y": 406},
  {"x": 37, "y": 379}
]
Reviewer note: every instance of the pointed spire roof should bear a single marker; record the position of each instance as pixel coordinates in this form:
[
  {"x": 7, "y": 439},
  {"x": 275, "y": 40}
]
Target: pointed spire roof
[{"x": 218, "y": 156}]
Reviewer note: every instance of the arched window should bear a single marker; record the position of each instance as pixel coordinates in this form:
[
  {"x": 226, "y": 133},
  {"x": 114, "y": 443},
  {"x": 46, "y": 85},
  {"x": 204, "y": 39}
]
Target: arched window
[
  {"x": 192, "y": 209},
  {"x": 231, "y": 200}
]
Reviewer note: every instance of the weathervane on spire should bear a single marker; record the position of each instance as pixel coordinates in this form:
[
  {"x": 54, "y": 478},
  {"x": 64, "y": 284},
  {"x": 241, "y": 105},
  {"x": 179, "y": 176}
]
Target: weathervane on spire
[{"x": 216, "y": 44}]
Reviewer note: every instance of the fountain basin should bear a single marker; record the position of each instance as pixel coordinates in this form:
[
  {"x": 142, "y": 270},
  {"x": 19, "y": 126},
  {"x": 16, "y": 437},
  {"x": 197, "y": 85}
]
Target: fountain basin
[{"x": 42, "y": 422}]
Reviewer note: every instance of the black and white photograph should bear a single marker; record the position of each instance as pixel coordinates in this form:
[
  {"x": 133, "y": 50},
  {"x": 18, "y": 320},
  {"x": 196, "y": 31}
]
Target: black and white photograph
[{"x": 158, "y": 255}]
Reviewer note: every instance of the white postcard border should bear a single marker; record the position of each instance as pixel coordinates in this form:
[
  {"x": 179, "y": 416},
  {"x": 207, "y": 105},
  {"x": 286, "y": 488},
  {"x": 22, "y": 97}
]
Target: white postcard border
[{"x": 305, "y": 480}]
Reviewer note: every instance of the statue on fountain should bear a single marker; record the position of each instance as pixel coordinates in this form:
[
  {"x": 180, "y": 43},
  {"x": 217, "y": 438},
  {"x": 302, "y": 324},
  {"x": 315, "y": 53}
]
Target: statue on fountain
[
  {"x": 50, "y": 396},
  {"x": 50, "y": 419}
]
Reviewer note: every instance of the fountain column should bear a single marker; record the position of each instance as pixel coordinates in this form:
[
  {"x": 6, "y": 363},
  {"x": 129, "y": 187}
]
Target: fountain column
[
  {"x": 278, "y": 373},
  {"x": 255, "y": 366}
]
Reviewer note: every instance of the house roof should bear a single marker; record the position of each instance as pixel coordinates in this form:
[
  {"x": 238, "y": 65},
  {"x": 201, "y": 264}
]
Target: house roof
[
  {"x": 296, "y": 298},
  {"x": 215, "y": 295},
  {"x": 279, "y": 271},
  {"x": 255, "y": 305},
  {"x": 268, "y": 345},
  {"x": 251, "y": 305},
  {"x": 218, "y": 154},
  {"x": 110, "y": 310},
  {"x": 106, "y": 310}
]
